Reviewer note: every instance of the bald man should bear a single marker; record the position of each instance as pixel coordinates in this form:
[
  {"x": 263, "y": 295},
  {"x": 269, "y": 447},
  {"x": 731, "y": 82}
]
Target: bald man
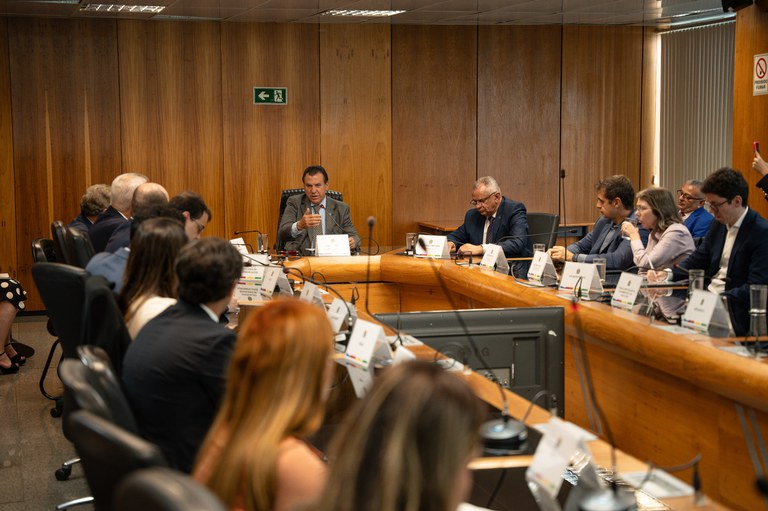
[{"x": 146, "y": 197}]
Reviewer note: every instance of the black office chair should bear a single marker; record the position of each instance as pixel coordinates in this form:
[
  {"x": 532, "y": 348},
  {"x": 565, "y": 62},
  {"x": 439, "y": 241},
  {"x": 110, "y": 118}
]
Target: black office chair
[
  {"x": 109, "y": 454},
  {"x": 59, "y": 237},
  {"x": 164, "y": 489},
  {"x": 79, "y": 247},
  {"x": 287, "y": 194},
  {"x": 542, "y": 228}
]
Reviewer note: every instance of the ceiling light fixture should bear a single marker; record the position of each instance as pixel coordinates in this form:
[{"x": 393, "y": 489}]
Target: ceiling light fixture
[
  {"x": 363, "y": 14},
  {"x": 134, "y": 9}
]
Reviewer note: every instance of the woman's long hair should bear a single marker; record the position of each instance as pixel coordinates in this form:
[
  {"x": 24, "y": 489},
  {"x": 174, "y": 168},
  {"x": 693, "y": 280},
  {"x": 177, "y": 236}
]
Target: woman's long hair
[
  {"x": 276, "y": 388},
  {"x": 663, "y": 205},
  {"x": 403, "y": 446},
  {"x": 150, "y": 268}
]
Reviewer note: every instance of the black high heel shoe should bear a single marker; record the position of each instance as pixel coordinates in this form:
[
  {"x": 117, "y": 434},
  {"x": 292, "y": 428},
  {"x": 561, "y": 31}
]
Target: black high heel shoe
[
  {"x": 17, "y": 359},
  {"x": 12, "y": 369}
]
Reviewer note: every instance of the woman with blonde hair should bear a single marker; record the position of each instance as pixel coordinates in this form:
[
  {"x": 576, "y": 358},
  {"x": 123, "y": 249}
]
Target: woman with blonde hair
[
  {"x": 405, "y": 447},
  {"x": 255, "y": 456},
  {"x": 669, "y": 241}
]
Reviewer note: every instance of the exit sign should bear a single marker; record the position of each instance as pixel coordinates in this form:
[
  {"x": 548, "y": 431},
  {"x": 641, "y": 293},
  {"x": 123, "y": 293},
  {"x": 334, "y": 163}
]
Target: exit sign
[{"x": 270, "y": 95}]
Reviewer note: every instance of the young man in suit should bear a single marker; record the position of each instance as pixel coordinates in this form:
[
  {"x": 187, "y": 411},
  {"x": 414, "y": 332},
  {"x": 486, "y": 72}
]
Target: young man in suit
[
  {"x": 615, "y": 201},
  {"x": 174, "y": 371},
  {"x": 695, "y": 216},
  {"x": 493, "y": 218},
  {"x": 312, "y": 214},
  {"x": 734, "y": 253}
]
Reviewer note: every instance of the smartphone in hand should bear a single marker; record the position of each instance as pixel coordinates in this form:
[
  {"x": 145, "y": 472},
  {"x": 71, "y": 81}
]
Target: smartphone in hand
[{"x": 756, "y": 147}]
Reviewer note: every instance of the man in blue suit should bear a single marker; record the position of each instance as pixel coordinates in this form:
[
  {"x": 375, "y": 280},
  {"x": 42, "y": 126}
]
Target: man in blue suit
[
  {"x": 691, "y": 203},
  {"x": 734, "y": 253},
  {"x": 493, "y": 218},
  {"x": 615, "y": 200}
]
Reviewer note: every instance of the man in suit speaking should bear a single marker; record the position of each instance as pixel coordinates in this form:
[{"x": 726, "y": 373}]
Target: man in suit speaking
[
  {"x": 493, "y": 218},
  {"x": 311, "y": 214}
]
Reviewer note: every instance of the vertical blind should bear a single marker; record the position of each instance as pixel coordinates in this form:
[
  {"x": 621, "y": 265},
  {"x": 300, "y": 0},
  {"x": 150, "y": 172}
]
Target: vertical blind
[{"x": 695, "y": 102}]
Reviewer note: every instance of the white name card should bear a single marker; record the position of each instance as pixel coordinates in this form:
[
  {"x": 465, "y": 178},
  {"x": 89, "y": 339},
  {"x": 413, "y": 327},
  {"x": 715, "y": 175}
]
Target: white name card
[
  {"x": 542, "y": 269},
  {"x": 705, "y": 314},
  {"x": 494, "y": 259},
  {"x": 360, "y": 375},
  {"x": 625, "y": 294},
  {"x": 333, "y": 245},
  {"x": 249, "y": 285},
  {"x": 434, "y": 246},
  {"x": 338, "y": 313},
  {"x": 240, "y": 246},
  {"x": 582, "y": 277},
  {"x": 269, "y": 282},
  {"x": 368, "y": 342},
  {"x": 311, "y": 293},
  {"x": 560, "y": 442}
]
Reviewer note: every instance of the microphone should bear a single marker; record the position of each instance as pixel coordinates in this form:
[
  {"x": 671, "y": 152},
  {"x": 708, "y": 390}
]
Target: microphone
[
  {"x": 350, "y": 318},
  {"x": 248, "y": 231},
  {"x": 371, "y": 222},
  {"x": 499, "y": 435},
  {"x": 260, "y": 241}
]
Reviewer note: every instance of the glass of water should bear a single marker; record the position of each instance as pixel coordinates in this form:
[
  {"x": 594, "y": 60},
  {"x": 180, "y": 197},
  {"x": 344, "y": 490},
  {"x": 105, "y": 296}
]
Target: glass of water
[
  {"x": 539, "y": 247},
  {"x": 600, "y": 263}
]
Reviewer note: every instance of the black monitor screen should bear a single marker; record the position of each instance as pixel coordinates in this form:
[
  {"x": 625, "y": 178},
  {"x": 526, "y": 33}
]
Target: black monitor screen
[{"x": 522, "y": 346}]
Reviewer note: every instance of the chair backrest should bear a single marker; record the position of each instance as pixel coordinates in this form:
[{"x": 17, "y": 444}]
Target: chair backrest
[
  {"x": 102, "y": 379},
  {"x": 43, "y": 250},
  {"x": 164, "y": 489},
  {"x": 62, "y": 288},
  {"x": 542, "y": 228},
  {"x": 59, "y": 237},
  {"x": 103, "y": 323},
  {"x": 79, "y": 247},
  {"x": 290, "y": 192},
  {"x": 109, "y": 454}
]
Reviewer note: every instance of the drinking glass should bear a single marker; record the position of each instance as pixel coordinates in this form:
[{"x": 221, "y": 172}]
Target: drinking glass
[
  {"x": 539, "y": 247},
  {"x": 600, "y": 263}
]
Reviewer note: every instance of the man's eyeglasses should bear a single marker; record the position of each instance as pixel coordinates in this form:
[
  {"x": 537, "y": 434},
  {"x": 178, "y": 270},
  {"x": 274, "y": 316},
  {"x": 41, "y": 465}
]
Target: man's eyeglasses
[
  {"x": 716, "y": 206},
  {"x": 688, "y": 198},
  {"x": 482, "y": 201},
  {"x": 200, "y": 226}
]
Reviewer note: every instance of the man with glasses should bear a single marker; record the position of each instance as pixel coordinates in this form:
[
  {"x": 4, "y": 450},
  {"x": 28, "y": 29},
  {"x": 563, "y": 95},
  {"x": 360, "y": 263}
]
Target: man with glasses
[
  {"x": 493, "y": 218},
  {"x": 695, "y": 216},
  {"x": 734, "y": 253},
  {"x": 615, "y": 200},
  {"x": 195, "y": 211}
]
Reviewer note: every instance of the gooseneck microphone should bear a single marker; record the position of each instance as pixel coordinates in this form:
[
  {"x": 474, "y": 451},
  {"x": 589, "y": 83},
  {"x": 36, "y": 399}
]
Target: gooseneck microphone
[
  {"x": 260, "y": 241},
  {"x": 350, "y": 318},
  {"x": 248, "y": 231}
]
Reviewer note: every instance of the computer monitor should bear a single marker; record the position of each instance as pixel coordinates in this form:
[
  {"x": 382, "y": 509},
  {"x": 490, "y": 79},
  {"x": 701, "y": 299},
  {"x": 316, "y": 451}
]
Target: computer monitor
[{"x": 522, "y": 346}]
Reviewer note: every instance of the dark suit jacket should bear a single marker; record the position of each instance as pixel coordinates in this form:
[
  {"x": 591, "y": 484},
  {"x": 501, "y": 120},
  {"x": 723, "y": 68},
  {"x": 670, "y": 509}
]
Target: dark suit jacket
[
  {"x": 698, "y": 222},
  {"x": 81, "y": 223},
  {"x": 747, "y": 265},
  {"x": 763, "y": 185},
  {"x": 618, "y": 253},
  {"x": 103, "y": 226},
  {"x": 511, "y": 220},
  {"x": 337, "y": 221},
  {"x": 121, "y": 237},
  {"x": 174, "y": 377}
]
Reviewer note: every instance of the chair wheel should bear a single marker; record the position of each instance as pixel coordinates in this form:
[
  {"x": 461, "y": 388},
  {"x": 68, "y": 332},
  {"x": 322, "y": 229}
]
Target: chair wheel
[{"x": 63, "y": 473}]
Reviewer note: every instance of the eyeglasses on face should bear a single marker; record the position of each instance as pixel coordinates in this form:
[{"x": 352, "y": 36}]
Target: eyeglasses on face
[
  {"x": 200, "y": 226},
  {"x": 716, "y": 205},
  {"x": 482, "y": 201},
  {"x": 687, "y": 197}
]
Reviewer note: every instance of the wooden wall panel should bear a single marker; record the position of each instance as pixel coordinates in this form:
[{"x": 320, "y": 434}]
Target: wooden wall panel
[
  {"x": 601, "y": 113},
  {"x": 267, "y": 147},
  {"x": 170, "y": 91},
  {"x": 648, "y": 146},
  {"x": 7, "y": 186},
  {"x": 434, "y": 123},
  {"x": 66, "y": 121},
  {"x": 356, "y": 121},
  {"x": 518, "y": 129},
  {"x": 750, "y": 113}
]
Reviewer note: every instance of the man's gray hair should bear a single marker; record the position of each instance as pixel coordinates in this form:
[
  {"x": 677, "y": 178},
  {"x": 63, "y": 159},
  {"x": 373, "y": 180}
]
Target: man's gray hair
[
  {"x": 123, "y": 187},
  {"x": 489, "y": 183},
  {"x": 695, "y": 182}
]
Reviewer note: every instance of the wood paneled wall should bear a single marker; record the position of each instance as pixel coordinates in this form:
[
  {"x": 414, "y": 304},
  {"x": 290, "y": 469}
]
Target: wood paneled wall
[
  {"x": 404, "y": 118},
  {"x": 750, "y": 113}
]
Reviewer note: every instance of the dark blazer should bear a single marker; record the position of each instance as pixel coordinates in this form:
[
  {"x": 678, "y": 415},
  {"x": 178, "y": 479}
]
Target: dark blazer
[
  {"x": 103, "y": 226},
  {"x": 747, "y": 265},
  {"x": 698, "y": 222},
  {"x": 763, "y": 185},
  {"x": 121, "y": 237},
  {"x": 81, "y": 223},
  {"x": 174, "y": 376},
  {"x": 618, "y": 253},
  {"x": 337, "y": 221}
]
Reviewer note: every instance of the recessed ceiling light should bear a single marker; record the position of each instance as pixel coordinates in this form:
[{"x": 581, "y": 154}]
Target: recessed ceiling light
[
  {"x": 364, "y": 14},
  {"x": 135, "y": 9}
]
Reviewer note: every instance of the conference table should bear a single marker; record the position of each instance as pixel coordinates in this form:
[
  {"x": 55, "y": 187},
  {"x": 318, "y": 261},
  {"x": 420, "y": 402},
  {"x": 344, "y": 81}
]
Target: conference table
[{"x": 666, "y": 396}]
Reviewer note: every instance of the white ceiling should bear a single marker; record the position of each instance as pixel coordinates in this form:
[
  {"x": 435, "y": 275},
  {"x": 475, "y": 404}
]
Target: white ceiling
[{"x": 418, "y": 12}]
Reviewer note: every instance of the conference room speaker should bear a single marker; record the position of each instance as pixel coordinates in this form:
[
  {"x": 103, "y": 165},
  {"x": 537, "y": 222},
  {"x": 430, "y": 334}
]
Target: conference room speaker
[{"x": 735, "y": 5}]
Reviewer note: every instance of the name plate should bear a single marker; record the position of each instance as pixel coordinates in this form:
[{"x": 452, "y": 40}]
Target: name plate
[
  {"x": 542, "y": 270},
  {"x": 625, "y": 294},
  {"x": 494, "y": 259},
  {"x": 333, "y": 245},
  {"x": 581, "y": 277},
  {"x": 338, "y": 313},
  {"x": 705, "y": 314},
  {"x": 311, "y": 293},
  {"x": 249, "y": 285},
  {"x": 360, "y": 375},
  {"x": 368, "y": 342},
  {"x": 274, "y": 278},
  {"x": 433, "y": 246}
]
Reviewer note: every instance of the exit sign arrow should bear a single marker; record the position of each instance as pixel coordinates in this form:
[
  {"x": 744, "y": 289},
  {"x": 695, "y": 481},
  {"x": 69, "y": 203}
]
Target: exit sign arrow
[{"x": 270, "y": 95}]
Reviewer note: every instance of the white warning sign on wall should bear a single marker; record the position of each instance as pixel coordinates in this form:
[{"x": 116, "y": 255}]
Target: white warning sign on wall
[{"x": 760, "y": 75}]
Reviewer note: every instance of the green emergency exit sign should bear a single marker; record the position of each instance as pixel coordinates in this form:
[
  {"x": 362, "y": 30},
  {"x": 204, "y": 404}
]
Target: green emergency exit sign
[{"x": 270, "y": 95}]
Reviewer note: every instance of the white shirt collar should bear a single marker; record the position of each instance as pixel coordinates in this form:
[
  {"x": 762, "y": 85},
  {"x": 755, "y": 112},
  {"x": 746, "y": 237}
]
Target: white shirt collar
[{"x": 210, "y": 312}]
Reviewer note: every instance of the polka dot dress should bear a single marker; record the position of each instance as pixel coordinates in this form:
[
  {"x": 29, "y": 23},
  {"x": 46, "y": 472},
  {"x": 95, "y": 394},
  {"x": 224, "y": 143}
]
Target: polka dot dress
[{"x": 11, "y": 291}]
